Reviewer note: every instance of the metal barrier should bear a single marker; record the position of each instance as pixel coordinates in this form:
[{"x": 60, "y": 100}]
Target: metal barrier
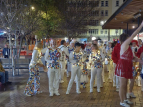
[{"x": 19, "y": 63}]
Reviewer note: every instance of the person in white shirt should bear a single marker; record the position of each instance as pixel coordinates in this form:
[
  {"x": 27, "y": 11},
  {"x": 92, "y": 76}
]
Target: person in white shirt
[
  {"x": 76, "y": 59},
  {"x": 102, "y": 49},
  {"x": 52, "y": 56},
  {"x": 65, "y": 54},
  {"x": 33, "y": 84},
  {"x": 110, "y": 62},
  {"x": 70, "y": 49},
  {"x": 96, "y": 58}
]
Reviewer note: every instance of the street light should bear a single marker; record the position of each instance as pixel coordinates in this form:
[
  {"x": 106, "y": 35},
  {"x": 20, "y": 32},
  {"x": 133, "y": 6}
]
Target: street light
[
  {"x": 93, "y": 38},
  {"x": 133, "y": 27},
  {"x": 32, "y": 8},
  {"x": 102, "y": 22}
]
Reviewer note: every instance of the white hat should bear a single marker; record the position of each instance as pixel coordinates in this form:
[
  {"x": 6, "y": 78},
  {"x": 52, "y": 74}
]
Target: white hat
[{"x": 72, "y": 42}]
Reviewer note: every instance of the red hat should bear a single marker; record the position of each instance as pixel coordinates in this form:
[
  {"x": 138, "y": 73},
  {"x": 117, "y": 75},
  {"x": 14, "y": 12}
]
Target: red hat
[{"x": 135, "y": 42}]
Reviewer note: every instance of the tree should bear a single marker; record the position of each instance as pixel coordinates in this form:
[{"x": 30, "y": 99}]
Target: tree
[
  {"x": 9, "y": 9},
  {"x": 78, "y": 15},
  {"x": 51, "y": 17},
  {"x": 29, "y": 21}
]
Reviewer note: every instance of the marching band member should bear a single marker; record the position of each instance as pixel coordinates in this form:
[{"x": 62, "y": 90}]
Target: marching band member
[
  {"x": 63, "y": 57},
  {"x": 52, "y": 57},
  {"x": 96, "y": 58},
  {"x": 102, "y": 49},
  {"x": 33, "y": 83},
  {"x": 76, "y": 59},
  {"x": 110, "y": 62},
  {"x": 70, "y": 49},
  {"x": 88, "y": 51},
  {"x": 141, "y": 69},
  {"x": 84, "y": 74}
]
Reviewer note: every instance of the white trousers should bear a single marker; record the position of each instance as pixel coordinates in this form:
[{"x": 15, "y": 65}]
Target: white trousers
[
  {"x": 103, "y": 79},
  {"x": 115, "y": 78},
  {"x": 98, "y": 73},
  {"x": 110, "y": 69},
  {"x": 68, "y": 67},
  {"x": 53, "y": 75},
  {"x": 141, "y": 83},
  {"x": 75, "y": 71},
  {"x": 62, "y": 70}
]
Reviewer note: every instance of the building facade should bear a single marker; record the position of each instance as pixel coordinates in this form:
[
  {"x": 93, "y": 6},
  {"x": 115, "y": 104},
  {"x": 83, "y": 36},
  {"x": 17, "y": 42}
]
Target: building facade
[{"x": 105, "y": 9}]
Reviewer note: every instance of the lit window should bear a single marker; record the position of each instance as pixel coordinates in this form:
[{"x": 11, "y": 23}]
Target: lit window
[
  {"x": 96, "y": 31},
  {"x": 101, "y": 31},
  {"x": 116, "y": 31},
  {"x": 106, "y": 31}
]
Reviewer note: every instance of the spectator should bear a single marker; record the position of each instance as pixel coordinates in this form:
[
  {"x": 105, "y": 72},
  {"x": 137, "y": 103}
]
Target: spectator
[
  {"x": 140, "y": 43},
  {"x": 3, "y": 74},
  {"x": 6, "y": 52}
]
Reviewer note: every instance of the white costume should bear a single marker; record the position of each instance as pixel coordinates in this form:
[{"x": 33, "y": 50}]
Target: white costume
[
  {"x": 76, "y": 60},
  {"x": 70, "y": 49},
  {"x": 63, "y": 61},
  {"x": 102, "y": 50},
  {"x": 53, "y": 69},
  {"x": 110, "y": 63},
  {"x": 96, "y": 60},
  {"x": 88, "y": 51}
]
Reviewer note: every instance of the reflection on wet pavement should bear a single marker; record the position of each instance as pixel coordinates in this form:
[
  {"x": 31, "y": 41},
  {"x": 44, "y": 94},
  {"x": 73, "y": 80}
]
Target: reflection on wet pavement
[{"x": 12, "y": 95}]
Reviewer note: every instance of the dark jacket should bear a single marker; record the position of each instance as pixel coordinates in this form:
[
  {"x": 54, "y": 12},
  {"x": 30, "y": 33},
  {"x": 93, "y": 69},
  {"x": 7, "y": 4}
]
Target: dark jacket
[{"x": 4, "y": 51}]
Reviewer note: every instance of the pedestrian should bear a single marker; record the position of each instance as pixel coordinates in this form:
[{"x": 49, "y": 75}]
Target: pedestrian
[{"x": 6, "y": 51}]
